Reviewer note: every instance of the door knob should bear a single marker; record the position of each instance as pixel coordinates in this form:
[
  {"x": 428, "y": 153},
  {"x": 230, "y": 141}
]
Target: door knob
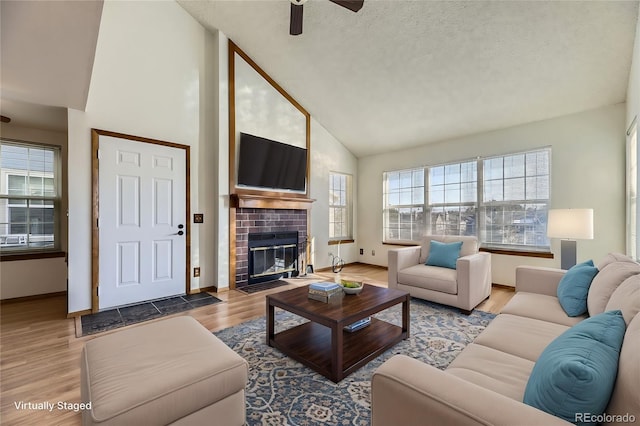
[
  {"x": 180, "y": 233},
  {"x": 180, "y": 226}
]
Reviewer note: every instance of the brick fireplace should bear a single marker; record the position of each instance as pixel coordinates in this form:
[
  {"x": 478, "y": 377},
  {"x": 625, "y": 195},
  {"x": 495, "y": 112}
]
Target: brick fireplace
[{"x": 265, "y": 220}]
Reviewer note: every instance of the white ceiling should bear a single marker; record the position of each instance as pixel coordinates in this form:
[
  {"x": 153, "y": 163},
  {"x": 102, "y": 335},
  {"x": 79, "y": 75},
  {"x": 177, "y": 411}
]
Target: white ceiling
[
  {"x": 396, "y": 74},
  {"x": 48, "y": 49},
  {"x": 405, "y": 73}
]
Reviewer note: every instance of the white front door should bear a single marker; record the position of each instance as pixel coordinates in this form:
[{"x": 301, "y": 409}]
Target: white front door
[{"x": 142, "y": 229}]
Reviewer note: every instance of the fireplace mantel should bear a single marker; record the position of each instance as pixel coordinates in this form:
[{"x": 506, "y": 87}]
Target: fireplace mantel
[{"x": 258, "y": 201}]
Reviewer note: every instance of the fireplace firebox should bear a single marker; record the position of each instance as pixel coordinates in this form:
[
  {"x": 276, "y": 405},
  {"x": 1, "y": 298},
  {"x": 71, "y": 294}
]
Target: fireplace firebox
[{"x": 272, "y": 255}]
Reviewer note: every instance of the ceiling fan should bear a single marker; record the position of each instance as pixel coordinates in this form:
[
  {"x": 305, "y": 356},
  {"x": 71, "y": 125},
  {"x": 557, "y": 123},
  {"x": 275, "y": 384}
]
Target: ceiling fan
[{"x": 295, "y": 25}]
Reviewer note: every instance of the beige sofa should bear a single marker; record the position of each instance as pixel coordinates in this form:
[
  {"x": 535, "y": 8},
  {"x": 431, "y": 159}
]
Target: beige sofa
[
  {"x": 485, "y": 384},
  {"x": 464, "y": 287}
]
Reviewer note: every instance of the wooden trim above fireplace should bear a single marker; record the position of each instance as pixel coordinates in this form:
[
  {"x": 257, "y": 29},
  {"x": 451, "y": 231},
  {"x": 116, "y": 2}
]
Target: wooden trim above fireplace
[{"x": 270, "y": 202}]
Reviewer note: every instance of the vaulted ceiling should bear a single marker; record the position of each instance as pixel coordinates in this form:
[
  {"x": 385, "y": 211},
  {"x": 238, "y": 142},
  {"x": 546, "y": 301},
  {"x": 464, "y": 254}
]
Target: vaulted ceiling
[
  {"x": 404, "y": 73},
  {"x": 395, "y": 74},
  {"x": 48, "y": 49}
]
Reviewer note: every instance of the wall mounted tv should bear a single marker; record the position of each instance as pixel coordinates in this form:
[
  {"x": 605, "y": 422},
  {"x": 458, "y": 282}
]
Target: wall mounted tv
[{"x": 265, "y": 163}]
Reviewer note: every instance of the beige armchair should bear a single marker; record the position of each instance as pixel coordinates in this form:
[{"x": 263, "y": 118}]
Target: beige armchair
[{"x": 464, "y": 287}]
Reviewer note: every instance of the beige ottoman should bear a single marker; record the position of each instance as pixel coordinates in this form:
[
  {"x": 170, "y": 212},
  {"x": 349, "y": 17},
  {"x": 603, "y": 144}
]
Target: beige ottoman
[{"x": 167, "y": 372}]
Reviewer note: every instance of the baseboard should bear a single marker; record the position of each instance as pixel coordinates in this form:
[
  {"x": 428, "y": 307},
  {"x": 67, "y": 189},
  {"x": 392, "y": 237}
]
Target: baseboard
[
  {"x": 78, "y": 314},
  {"x": 329, "y": 268},
  {"x": 212, "y": 289},
  {"x": 371, "y": 265},
  {"x": 32, "y": 297},
  {"x": 77, "y": 323},
  {"x": 504, "y": 286}
]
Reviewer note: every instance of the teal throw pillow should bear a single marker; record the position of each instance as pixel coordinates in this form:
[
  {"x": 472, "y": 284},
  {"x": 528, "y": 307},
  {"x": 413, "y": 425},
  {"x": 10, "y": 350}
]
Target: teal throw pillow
[
  {"x": 574, "y": 288},
  {"x": 574, "y": 376},
  {"x": 443, "y": 254}
]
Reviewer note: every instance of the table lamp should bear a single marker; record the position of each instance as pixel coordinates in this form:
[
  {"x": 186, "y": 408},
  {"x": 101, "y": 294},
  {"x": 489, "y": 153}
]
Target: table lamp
[{"x": 570, "y": 225}]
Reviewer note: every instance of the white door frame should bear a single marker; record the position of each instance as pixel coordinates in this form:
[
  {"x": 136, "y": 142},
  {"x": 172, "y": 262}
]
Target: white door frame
[{"x": 95, "y": 207}]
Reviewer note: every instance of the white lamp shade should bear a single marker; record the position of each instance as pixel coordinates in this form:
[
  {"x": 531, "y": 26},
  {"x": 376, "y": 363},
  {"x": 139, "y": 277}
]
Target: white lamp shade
[{"x": 576, "y": 224}]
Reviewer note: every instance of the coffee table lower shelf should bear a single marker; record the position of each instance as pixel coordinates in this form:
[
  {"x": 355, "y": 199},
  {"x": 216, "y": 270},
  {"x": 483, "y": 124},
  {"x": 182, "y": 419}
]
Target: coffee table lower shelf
[{"x": 310, "y": 344}]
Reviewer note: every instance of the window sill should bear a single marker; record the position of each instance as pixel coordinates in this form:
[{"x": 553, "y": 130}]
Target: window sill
[
  {"x": 403, "y": 244},
  {"x": 7, "y": 257},
  {"x": 524, "y": 253},
  {"x": 336, "y": 242}
]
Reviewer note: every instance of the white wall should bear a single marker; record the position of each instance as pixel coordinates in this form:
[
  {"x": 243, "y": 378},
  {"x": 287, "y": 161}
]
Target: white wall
[
  {"x": 20, "y": 278},
  {"x": 214, "y": 166},
  {"x": 222, "y": 193},
  {"x": 329, "y": 155},
  {"x": 150, "y": 78},
  {"x": 633, "y": 91},
  {"x": 588, "y": 171}
]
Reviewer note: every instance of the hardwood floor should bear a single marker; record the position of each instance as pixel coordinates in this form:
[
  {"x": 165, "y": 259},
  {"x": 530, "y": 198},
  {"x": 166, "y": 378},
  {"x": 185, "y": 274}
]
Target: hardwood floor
[{"x": 40, "y": 353}]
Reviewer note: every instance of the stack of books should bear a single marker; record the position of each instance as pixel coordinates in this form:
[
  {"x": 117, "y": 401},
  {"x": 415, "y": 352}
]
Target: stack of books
[{"x": 325, "y": 291}]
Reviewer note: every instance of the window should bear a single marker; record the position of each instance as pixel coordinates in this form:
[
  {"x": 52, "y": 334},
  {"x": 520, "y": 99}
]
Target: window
[
  {"x": 453, "y": 191},
  {"x": 633, "y": 242},
  {"x": 515, "y": 201},
  {"x": 340, "y": 207},
  {"x": 404, "y": 195},
  {"x": 29, "y": 197},
  {"x": 502, "y": 200}
]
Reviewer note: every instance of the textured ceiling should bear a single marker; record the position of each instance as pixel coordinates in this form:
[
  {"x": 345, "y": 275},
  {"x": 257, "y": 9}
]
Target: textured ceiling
[{"x": 405, "y": 73}]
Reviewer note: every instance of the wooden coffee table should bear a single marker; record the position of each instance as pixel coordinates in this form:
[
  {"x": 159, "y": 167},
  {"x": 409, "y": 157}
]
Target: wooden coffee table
[{"x": 322, "y": 344}]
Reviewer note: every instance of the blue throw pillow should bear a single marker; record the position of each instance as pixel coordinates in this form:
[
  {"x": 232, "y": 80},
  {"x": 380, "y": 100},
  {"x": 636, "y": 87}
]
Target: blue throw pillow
[
  {"x": 574, "y": 288},
  {"x": 443, "y": 254},
  {"x": 576, "y": 373}
]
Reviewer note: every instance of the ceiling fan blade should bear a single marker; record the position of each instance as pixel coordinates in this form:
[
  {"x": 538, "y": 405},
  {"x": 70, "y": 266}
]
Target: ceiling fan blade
[
  {"x": 353, "y": 5},
  {"x": 295, "y": 25}
]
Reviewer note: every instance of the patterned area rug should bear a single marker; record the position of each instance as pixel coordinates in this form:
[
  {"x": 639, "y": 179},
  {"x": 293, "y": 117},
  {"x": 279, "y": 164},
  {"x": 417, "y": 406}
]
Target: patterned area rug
[{"x": 282, "y": 391}]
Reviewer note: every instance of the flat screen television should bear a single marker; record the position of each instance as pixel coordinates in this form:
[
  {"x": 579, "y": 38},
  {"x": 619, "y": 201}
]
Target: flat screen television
[{"x": 265, "y": 163}]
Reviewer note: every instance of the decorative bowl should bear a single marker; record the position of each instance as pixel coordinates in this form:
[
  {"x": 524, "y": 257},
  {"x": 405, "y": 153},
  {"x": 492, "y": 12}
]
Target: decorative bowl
[{"x": 351, "y": 287}]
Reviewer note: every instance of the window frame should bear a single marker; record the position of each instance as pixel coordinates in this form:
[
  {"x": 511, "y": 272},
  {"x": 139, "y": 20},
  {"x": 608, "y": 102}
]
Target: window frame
[
  {"x": 483, "y": 205},
  {"x": 45, "y": 199},
  {"x": 412, "y": 207},
  {"x": 632, "y": 185},
  {"x": 445, "y": 204},
  {"x": 345, "y": 208},
  {"x": 479, "y": 205}
]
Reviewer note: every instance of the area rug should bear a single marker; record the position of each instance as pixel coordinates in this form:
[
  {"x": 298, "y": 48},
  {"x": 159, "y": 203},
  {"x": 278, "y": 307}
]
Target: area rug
[
  {"x": 120, "y": 317},
  {"x": 282, "y": 391}
]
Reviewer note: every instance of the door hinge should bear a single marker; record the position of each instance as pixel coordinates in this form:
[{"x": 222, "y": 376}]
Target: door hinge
[
  {"x": 98, "y": 154},
  {"x": 98, "y": 223},
  {"x": 98, "y": 290}
]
